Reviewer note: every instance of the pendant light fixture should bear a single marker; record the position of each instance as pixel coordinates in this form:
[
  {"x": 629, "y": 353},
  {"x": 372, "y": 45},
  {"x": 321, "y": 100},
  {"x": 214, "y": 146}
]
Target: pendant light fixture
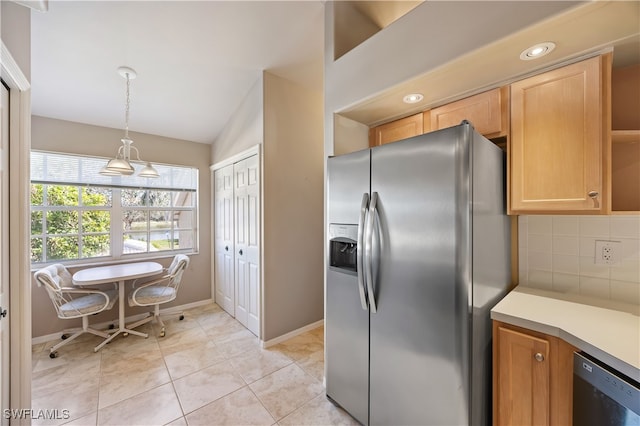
[{"x": 121, "y": 165}]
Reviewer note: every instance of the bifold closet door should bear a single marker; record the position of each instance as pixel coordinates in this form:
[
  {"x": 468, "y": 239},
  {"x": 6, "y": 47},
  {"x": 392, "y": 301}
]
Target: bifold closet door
[
  {"x": 247, "y": 243},
  {"x": 224, "y": 238}
]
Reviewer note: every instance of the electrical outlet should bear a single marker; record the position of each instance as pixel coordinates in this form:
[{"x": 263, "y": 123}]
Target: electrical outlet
[{"x": 607, "y": 252}]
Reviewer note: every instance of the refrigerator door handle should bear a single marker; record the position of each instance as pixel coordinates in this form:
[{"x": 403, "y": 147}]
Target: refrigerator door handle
[
  {"x": 362, "y": 221},
  {"x": 369, "y": 253}
]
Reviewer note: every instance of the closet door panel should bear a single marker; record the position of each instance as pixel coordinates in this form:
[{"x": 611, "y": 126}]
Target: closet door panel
[
  {"x": 241, "y": 232},
  {"x": 224, "y": 281},
  {"x": 252, "y": 286}
]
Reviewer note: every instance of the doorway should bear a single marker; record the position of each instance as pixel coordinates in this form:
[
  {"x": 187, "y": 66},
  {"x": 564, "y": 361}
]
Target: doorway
[
  {"x": 4, "y": 249},
  {"x": 237, "y": 275}
]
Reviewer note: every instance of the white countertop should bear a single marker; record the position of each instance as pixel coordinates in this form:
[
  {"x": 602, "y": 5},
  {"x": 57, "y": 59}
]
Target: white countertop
[{"x": 609, "y": 331}]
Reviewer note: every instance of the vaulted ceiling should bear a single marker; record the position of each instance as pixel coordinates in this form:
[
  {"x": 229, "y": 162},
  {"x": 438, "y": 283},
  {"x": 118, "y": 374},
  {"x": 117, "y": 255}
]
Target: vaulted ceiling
[{"x": 195, "y": 60}]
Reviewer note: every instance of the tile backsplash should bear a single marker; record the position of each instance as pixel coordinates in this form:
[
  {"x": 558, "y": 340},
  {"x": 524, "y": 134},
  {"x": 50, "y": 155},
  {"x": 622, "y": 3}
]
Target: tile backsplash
[{"x": 558, "y": 253}]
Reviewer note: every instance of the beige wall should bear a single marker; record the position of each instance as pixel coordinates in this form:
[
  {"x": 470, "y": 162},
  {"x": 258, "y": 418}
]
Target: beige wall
[
  {"x": 68, "y": 137},
  {"x": 244, "y": 129},
  {"x": 293, "y": 212},
  {"x": 15, "y": 30},
  {"x": 352, "y": 27},
  {"x": 349, "y": 135},
  {"x": 286, "y": 118}
]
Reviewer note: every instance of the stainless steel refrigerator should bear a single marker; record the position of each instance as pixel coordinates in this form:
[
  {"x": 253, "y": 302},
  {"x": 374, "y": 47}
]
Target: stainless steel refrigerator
[{"x": 418, "y": 253}]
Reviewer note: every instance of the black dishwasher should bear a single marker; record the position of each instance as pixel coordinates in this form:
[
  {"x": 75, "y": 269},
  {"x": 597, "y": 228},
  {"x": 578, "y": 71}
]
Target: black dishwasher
[{"x": 602, "y": 396}]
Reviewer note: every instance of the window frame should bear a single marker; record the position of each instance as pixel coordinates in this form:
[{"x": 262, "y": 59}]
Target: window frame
[{"x": 116, "y": 210}]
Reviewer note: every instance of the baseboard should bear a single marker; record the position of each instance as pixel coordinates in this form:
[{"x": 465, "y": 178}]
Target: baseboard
[
  {"x": 133, "y": 318},
  {"x": 294, "y": 333}
]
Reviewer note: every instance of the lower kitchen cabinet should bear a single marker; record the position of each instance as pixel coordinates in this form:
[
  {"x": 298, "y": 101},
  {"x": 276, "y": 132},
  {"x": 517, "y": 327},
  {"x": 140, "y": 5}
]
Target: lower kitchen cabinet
[{"x": 532, "y": 377}]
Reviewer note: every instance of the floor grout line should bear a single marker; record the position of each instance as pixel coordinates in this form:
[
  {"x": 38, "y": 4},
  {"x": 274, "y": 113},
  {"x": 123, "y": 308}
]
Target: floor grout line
[{"x": 223, "y": 335}]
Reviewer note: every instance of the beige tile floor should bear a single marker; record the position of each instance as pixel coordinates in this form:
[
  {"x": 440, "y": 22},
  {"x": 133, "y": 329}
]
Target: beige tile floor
[{"x": 208, "y": 370}]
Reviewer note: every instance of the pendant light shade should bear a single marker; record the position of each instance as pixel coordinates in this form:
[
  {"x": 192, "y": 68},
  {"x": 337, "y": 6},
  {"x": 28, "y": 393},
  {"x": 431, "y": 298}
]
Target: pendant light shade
[
  {"x": 108, "y": 172},
  {"x": 121, "y": 164},
  {"x": 149, "y": 171}
]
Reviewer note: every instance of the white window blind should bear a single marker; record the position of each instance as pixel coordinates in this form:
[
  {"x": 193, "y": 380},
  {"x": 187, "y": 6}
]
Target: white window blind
[{"x": 56, "y": 168}]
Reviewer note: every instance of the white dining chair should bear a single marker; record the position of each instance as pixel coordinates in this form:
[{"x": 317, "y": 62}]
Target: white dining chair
[
  {"x": 156, "y": 291},
  {"x": 73, "y": 302}
]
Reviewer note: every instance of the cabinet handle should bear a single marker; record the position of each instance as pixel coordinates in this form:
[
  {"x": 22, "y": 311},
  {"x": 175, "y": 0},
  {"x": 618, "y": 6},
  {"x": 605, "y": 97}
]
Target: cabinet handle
[
  {"x": 226, "y": 248},
  {"x": 593, "y": 194},
  {"x": 539, "y": 357},
  {"x": 240, "y": 252}
]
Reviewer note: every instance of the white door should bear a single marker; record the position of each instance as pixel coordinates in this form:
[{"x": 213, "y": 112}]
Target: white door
[
  {"x": 224, "y": 236},
  {"x": 247, "y": 242},
  {"x": 4, "y": 253}
]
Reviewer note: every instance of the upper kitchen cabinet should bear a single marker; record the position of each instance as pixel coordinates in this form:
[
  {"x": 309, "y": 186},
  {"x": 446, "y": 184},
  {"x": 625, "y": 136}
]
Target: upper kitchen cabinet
[
  {"x": 487, "y": 112},
  {"x": 560, "y": 138},
  {"x": 625, "y": 140},
  {"x": 396, "y": 130}
]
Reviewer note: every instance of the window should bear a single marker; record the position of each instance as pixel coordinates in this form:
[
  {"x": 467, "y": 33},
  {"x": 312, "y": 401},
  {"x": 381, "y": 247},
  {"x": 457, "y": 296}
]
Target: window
[{"x": 78, "y": 214}]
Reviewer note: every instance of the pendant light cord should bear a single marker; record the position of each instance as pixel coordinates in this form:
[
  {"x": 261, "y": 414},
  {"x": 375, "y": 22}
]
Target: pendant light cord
[{"x": 126, "y": 113}]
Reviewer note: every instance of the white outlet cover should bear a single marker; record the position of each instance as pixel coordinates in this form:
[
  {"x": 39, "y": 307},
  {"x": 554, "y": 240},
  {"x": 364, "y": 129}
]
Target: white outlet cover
[{"x": 607, "y": 252}]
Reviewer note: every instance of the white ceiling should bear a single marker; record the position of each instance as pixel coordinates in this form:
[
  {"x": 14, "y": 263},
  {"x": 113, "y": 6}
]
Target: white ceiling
[{"x": 195, "y": 60}]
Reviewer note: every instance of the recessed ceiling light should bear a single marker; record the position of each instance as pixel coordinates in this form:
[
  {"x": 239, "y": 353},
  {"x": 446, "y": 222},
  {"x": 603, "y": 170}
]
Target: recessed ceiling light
[
  {"x": 537, "y": 51},
  {"x": 413, "y": 98}
]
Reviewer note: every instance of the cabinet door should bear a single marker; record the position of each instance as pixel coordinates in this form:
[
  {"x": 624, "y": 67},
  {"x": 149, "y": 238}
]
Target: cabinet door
[
  {"x": 487, "y": 112},
  {"x": 247, "y": 243},
  {"x": 522, "y": 378},
  {"x": 223, "y": 239},
  {"x": 557, "y": 139},
  {"x": 397, "y": 130}
]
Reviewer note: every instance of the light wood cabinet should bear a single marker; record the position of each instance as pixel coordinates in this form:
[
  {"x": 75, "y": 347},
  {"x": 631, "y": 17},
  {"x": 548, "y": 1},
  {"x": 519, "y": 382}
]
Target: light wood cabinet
[
  {"x": 560, "y": 140},
  {"x": 625, "y": 171},
  {"x": 625, "y": 140},
  {"x": 396, "y": 130},
  {"x": 532, "y": 377},
  {"x": 487, "y": 112}
]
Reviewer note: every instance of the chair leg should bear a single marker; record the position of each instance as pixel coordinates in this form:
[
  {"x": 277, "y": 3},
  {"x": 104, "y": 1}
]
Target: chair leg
[
  {"x": 156, "y": 314},
  {"x": 138, "y": 323},
  {"x": 52, "y": 351},
  {"x": 85, "y": 329}
]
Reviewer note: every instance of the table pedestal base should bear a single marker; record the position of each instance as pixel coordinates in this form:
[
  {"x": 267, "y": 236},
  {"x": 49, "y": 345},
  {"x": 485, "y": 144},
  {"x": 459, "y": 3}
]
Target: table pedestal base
[
  {"x": 118, "y": 331},
  {"x": 121, "y": 325}
]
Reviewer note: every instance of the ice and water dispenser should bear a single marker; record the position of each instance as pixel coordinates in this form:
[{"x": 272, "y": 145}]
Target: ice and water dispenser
[{"x": 343, "y": 245}]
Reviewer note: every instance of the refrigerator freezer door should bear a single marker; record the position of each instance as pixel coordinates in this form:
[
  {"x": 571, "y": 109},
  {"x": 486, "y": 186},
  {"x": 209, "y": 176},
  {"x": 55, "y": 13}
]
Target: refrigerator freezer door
[
  {"x": 418, "y": 336},
  {"x": 347, "y": 323}
]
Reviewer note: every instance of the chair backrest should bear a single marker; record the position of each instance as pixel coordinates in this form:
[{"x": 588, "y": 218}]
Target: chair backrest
[
  {"x": 175, "y": 270},
  {"x": 53, "y": 278}
]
